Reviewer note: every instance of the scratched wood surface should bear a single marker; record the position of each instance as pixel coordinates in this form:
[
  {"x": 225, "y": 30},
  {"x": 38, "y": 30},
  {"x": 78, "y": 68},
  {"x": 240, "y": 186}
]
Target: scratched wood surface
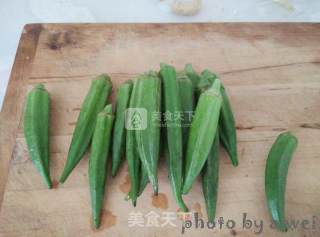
[{"x": 271, "y": 72}]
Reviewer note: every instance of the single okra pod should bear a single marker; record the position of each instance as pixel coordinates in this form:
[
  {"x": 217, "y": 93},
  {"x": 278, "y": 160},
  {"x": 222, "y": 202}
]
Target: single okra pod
[
  {"x": 210, "y": 179},
  {"x": 276, "y": 175},
  {"x": 227, "y": 124},
  {"x": 93, "y": 104},
  {"x": 227, "y": 128},
  {"x": 98, "y": 161},
  {"x": 36, "y": 130},
  {"x": 132, "y": 155},
  {"x": 202, "y": 133},
  {"x": 119, "y": 132},
  {"x": 174, "y": 142},
  {"x": 148, "y": 135},
  {"x": 186, "y": 92}
]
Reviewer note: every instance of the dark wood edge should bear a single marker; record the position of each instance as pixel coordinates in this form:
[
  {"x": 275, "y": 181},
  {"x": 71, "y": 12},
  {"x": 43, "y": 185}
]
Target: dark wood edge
[{"x": 13, "y": 102}]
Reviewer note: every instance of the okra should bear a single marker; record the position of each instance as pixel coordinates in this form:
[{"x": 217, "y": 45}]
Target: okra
[
  {"x": 36, "y": 130},
  {"x": 132, "y": 155},
  {"x": 186, "y": 92},
  {"x": 227, "y": 128},
  {"x": 202, "y": 133},
  {"x": 227, "y": 124},
  {"x": 98, "y": 161},
  {"x": 174, "y": 143},
  {"x": 210, "y": 179},
  {"x": 119, "y": 132},
  {"x": 92, "y": 105},
  {"x": 276, "y": 172},
  {"x": 148, "y": 136}
]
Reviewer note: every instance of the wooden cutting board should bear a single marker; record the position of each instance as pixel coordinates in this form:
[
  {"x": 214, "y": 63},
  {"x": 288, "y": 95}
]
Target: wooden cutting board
[{"x": 271, "y": 72}]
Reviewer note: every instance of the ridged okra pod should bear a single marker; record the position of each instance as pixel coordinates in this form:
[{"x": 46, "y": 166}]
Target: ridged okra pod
[
  {"x": 174, "y": 142},
  {"x": 227, "y": 128},
  {"x": 210, "y": 179},
  {"x": 36, "y": 130},
  {"x": 119, "y": 131},
  {"x": 148, "y": 136},
  {"x": 98, "y": 161},
  {"x": 227, "y": 124},
  {"x": 276, "y": 176},
  {"x": 202, "y": 133},
  {"x": 93, "y": 103},
  {"x": 132, "y": 155}
]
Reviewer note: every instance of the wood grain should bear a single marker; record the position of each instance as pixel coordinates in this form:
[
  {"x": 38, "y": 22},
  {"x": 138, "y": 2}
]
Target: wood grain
[{"x": 271, "y": 72}]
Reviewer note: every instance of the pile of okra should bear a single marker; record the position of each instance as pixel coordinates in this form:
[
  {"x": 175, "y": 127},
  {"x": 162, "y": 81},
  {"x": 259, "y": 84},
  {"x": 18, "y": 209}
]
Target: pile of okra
[{"x": 186, "y": 114}]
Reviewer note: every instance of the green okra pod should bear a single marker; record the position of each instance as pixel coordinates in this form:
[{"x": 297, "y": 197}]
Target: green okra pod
[
  {"x": 148, "y": 136},
  {"x": 93, "y": 103},
  {"x": 98, "y": 161},
  {"x": 186, "y": 92},
  {"x": 210, "y": 179},
  {"x": 276, "y": 175},
  {"x": 227, "y": 128},
  {"x": 132, "y": 155},
  {"x": 202, "y": 133},
  {"x": 227, "y": 124},
  {"x": 119, "y": 132},
  {"x": 36, "y": 130},
  {"x": 174, "y": 142}
]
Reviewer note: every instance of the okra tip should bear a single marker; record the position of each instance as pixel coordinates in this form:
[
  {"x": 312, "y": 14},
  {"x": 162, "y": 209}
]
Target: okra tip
[
  {"x": 235, "y": 162},
  {"x": 107, "y": 109},
  {"x": 48, "y": 182},
  {"x": 63, "y": 177},
  {"x": 39, "y": 86},
  {"x": 96, "y": 222},
  {"x": 104, "y": 76},
  {"x": 113, "y": 172},
  {"x": 151, "y": 73}
]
